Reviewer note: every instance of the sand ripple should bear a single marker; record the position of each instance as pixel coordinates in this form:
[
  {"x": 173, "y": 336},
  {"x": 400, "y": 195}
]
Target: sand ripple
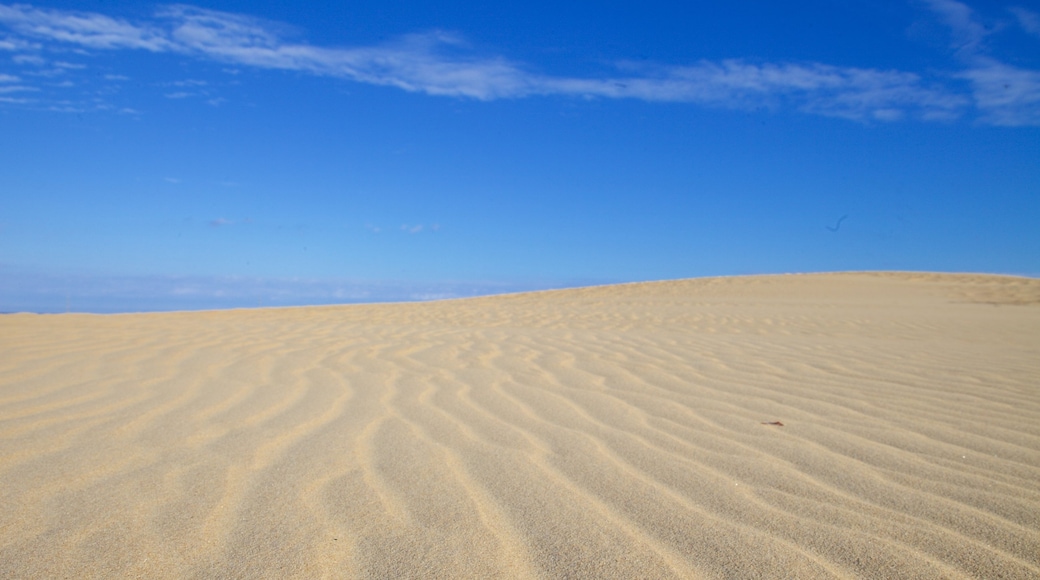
[{"x": 605, "y": 432}]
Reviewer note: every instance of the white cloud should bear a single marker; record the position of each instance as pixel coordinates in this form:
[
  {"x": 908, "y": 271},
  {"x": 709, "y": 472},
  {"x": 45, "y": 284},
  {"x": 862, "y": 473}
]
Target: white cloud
[
  {"x": 411, "y": 228},
  {"x": 1027, "y": 19},
  {"x": 26, "y": 290},
  {"x": 188, "y": 88},
  {"x": 1004, "y": 94},
  {"x": 968, "y": 33},
  {"x": 1007, "y": 95},
  {"x": 15, "y": 44},
  {"x": 29, "y": 59},
  {"x": 7, "y": 86},
  {"x": 437, "y": 63},
  {"x": 83, "y": 28},
  {"x": 815, "y": 88}
]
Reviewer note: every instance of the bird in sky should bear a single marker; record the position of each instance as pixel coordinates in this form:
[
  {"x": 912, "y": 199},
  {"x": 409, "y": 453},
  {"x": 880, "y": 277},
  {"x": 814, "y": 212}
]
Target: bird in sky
[{"x": 837, "y": 226}]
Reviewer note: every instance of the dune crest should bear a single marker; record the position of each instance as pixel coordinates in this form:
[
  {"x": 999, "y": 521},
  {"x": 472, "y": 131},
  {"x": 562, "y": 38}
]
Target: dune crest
[{"x": 809, "y": 426}]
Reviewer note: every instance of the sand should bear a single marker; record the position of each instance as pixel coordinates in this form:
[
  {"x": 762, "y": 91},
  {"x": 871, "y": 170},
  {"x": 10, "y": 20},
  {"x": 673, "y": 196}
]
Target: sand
[{"x": 861, "y": 425}]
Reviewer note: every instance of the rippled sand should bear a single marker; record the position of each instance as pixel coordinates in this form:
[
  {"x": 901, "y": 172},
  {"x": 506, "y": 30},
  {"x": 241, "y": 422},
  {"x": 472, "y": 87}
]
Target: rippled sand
[{"x": 623, "y": 431}]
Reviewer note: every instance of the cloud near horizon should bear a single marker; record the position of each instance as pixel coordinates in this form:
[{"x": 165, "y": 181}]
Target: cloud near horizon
[
  {"x": 435, "y": 63},
  {"x": 32, "y": 291}
]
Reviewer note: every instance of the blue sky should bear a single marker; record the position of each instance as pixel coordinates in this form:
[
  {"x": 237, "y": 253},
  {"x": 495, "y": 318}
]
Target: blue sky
[{"x": 230, "y": 154}]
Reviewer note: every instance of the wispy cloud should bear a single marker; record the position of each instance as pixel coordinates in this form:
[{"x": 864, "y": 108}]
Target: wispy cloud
[
  {"x": 967, "y": 32},
  {"x": 1003, "y": 93},
  {"x": 438, "y": 63},
  {"x": 412, "y": 228},
  {"x": 15, "y": 44},
  {"x": 853, "y": 93},
  {"x": 1007, "y": 95},
  {"x": 188, "y": 88},
  {"x": 29, "y": 59},
  {"x": 83, "y": 28},
  {"x": 23, "y": 290},
  {"x": 1027, "y": 19},
  {"x": 11, "y": 84}
]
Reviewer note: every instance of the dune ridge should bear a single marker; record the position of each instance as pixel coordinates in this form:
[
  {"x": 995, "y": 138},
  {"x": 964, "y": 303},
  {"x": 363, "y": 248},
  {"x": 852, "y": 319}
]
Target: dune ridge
[{"x": 618, "y": 431}]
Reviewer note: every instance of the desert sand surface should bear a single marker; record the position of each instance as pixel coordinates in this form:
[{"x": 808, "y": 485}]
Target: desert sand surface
[{"x": 848, "y": 425}]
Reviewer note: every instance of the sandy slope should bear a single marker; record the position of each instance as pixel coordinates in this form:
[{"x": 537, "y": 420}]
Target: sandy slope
[{"x": 616, "y": 431}]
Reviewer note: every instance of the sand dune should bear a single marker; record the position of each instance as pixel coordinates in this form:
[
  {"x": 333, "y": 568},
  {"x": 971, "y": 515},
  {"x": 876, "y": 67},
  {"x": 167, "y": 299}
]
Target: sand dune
[{"x": 621, "y": 431}]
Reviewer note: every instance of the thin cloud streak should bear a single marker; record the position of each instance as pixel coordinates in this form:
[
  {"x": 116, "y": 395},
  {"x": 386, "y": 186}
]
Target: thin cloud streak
[
  {"x": 1005, "y": 94},
  {"x": 1027, "y": 19},
  {"x": 435, "y": 64},
  {"x": 851, "y": 93},
  {"x": 22, "y": 291},
  {"x": 9, "y": 84},
  {"x": 968, "y": 33},
  {"x": 86, "y": 29}
]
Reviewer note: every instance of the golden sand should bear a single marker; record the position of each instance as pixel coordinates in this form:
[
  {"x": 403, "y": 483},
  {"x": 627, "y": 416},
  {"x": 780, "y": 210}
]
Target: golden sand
[{"x": 807, "y": 426}]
